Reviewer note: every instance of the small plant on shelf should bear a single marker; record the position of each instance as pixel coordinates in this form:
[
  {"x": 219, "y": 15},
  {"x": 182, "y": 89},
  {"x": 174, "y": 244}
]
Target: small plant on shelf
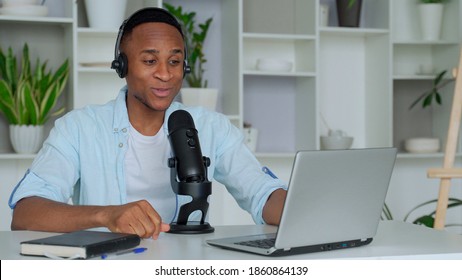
[
  {"x": 195, "y": 35},
  {"x": 434, "y": 93}
]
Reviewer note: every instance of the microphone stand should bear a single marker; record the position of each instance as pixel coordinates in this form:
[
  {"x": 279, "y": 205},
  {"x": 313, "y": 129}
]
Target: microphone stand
[{"x": 199, "y": 191}]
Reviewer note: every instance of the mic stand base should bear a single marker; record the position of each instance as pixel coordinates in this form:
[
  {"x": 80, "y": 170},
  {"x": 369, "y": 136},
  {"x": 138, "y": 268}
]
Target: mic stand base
[{"x": 191, "y": 228}]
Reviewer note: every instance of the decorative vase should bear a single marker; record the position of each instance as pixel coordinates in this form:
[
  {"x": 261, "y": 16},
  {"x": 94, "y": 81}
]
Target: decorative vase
[
  {"x": 26, "y": 139},
  {"x": 431, "y": 18},
  {"x": 204, "y": 97},
  {"x": 348, "y": 16},
  {"x": 105, "y": 14}
]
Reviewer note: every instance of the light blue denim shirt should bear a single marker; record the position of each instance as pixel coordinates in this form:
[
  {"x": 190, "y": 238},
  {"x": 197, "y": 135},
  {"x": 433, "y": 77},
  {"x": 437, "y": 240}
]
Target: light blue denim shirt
[{"x": 83, "y": 159}]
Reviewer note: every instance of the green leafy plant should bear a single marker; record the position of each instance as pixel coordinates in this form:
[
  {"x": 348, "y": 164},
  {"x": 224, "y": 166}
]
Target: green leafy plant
[
  {"x": 195, "y": 35},
  {"x": 351, "y": 3},
  {"x": 433, "y": 94},
  {"x": 386, "y": 213},
  {"x": 429, "y": 218},
  {"x": 28, "y": 97}
]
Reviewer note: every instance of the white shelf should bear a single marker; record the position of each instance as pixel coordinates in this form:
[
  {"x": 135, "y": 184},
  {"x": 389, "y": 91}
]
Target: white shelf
[
  {"x": 291, "y": 37},
  {"x": 37, "y": 20},
  {"x": 279, "y": 74},
  {"x": 11, "y": 156},
  {"x": 352, "y": 32}
]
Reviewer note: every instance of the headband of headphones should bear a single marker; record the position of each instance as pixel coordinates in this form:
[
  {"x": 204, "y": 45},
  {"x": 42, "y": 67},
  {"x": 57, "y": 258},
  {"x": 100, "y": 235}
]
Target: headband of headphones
[{"x": 151, "y": 14}]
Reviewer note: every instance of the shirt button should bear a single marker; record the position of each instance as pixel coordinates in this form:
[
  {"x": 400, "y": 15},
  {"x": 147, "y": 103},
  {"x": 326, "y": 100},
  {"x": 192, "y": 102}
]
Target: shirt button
[
  {"x": 124, "y": 130},
  {"x": 116, "y": 129},
  {"x": 121, "y": 145}
]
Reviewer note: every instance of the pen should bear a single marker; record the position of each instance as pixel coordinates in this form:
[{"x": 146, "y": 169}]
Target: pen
[
  {"x": 131, "y": 251},
  {"x": 269, "y": 172}
]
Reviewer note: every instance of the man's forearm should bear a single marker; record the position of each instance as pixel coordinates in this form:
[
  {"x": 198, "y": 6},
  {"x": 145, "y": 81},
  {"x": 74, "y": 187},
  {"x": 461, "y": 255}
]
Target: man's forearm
[
  {"x": 273, "y": 207},
  {"x": 36, "y": 213}
]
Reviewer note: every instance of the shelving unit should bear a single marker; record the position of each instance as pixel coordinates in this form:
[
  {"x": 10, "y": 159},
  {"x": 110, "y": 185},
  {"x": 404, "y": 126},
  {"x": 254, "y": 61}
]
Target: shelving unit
[
  {"x": 281, "y": 105},
  {"x": 411, "y": 55},
  {"x": 358, "y": 79}
]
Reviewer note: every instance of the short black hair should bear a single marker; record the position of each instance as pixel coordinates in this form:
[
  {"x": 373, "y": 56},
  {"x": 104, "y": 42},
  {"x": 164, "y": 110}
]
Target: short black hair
[{"x": 151, "y": 14}]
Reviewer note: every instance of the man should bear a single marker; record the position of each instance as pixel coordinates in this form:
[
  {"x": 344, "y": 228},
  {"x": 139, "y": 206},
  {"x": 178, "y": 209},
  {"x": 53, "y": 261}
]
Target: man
[{"x": 111, "y": 160}]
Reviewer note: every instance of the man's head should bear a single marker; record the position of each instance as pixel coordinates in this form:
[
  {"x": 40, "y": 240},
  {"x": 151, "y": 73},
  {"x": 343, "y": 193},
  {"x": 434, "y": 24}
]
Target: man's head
[
  {"x": 153, "y": 14},
  {"x": 151, "y": 55}
]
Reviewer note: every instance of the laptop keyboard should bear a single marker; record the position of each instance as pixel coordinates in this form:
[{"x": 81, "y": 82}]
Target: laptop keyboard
[{"x": 260, "y": 243}]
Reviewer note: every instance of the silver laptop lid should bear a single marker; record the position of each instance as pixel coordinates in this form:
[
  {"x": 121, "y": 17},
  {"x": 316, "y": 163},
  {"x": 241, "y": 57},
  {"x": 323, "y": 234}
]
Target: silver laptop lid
[{"x": 339, "y": 196}]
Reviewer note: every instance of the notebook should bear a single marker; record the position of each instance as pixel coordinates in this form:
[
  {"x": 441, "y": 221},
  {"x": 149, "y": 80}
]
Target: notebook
[
  {"x": 80, "y": 244},
  {"x": 334, "y": 201}
]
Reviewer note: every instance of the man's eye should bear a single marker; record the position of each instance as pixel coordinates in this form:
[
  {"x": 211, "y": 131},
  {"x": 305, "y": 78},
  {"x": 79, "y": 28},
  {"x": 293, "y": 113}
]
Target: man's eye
[
  {"x": 174, "y": 62},
  {"x": 150, "y": 61}
]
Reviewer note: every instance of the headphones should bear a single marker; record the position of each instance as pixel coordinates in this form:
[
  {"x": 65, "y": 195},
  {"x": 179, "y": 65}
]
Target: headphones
[{"x": 120, "y": 62}]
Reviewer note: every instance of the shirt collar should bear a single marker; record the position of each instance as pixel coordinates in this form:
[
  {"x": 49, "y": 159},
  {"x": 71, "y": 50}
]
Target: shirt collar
[
  {"x": 120, "y": 118},
  {"x": 121, "y": 113}
]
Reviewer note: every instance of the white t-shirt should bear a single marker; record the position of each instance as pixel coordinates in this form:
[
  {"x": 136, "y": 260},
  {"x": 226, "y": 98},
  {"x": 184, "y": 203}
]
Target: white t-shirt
[{"x": 147, "y": 177}]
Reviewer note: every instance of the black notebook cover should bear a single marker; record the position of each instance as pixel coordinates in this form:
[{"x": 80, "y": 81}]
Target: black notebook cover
[{"x": 80, "y": 244}]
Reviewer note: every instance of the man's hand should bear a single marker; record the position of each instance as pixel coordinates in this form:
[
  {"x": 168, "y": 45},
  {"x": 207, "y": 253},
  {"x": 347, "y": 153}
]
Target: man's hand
[{"x": 137, "y": 217}]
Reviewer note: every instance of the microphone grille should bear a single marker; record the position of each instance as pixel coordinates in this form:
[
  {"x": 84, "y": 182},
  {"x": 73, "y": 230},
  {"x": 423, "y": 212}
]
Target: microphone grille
[{"x": 180, "y": 119}]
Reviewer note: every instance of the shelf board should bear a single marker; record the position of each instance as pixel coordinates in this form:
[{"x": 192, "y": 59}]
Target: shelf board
[
  {"x": 86, "y": 31},
  {"x": 275, "y": 155},
  {"x": 413, "y": 77},
  {"x": 278, "y": 36},
  {"x": 425, "y": 43},
  {"x": 7, "y": 156},
  {"x": 284, "y": 74},
  {"x": 38, "y": 20},
  {"x": 350, "y": 31},
  {"x": 95, "y": 70}
]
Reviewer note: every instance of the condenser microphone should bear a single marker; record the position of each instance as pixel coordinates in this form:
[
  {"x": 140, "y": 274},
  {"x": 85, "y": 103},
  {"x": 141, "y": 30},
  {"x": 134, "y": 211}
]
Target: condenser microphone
[
  {"x": 186, "y": 148},
  {"x": 188, "y": 174}
]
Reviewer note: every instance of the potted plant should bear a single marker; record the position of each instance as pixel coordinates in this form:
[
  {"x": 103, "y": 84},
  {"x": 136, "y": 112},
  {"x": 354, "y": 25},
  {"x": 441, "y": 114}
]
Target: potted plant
[
  {"x": 428, "y": 144},
  {"x": 195, "y": 34},
  {"x": 27, "y": 98},
  {"x": 431, "y": 17},
  {"x": 349, "y": 12}
]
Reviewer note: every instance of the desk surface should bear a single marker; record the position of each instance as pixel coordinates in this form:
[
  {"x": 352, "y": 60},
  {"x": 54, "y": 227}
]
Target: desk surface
[{"x": 394, "y": 240}]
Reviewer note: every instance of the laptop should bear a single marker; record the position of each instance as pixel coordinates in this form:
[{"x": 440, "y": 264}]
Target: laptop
[{"x": 334, "y": 201}]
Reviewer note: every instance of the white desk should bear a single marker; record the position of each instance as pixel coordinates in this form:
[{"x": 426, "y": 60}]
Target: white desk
[{"x": 394, "y": 240}]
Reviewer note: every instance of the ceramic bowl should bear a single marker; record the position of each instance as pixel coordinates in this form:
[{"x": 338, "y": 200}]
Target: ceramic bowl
[
  {"x": 274, "y": 65},
  {"x": 336, "y": 142},
  {"x": 422, "y": 145}
]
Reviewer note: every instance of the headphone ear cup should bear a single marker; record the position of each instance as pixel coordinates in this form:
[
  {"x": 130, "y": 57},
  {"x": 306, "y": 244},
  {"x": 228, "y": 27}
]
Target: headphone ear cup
[
  {"x": 123, "y": 65},
  {"x": 186, "y": 68},
  {"x": 120, "y": 65}
]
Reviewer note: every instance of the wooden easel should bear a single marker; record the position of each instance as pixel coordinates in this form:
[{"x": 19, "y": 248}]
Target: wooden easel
[{"x": 448, "y": 172}]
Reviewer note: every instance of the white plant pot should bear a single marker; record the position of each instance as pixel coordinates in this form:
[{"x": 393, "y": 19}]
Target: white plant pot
[
  {"x": 431, "y": 18},
  {"x": 26, "y": 139},
  {"x": 204, "y": 97},
  {"x": 105, "y": 14}
]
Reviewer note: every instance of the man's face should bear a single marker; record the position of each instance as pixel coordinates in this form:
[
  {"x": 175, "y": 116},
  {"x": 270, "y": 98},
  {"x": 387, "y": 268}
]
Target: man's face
[{"x": 155, "y": 53}]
